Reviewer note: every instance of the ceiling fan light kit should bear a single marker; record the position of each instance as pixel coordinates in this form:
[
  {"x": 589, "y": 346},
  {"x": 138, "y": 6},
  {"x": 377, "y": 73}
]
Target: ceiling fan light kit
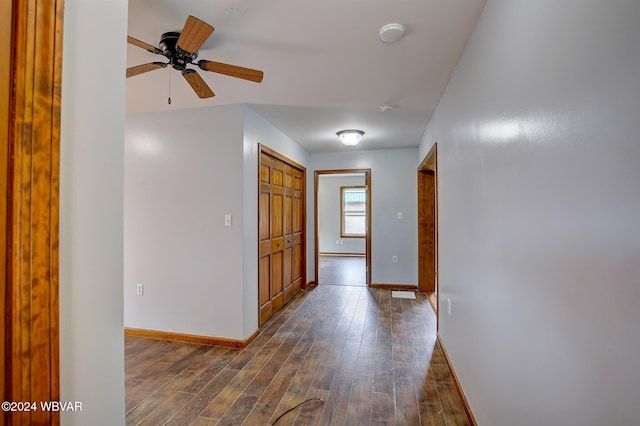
[
  {"x": 350, "y": 137},
  {"x": 181, "y": 49}
]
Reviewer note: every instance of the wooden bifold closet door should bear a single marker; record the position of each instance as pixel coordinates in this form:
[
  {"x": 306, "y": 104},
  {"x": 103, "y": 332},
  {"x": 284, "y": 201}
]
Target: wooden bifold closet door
[{"x": 280, "y": 231}]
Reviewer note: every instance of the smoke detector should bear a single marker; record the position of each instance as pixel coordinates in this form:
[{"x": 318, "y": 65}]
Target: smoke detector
[
  {"x": 385, "y": 107},
  {"x": 391, "y": 33}
]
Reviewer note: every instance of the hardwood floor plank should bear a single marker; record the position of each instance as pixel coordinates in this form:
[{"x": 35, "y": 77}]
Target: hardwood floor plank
[
  {"x": 198, "y": 402},
  {"x": 330, "y": 362},
  {"x": 159, "y": 397},
  {"x": 439, "y": 373},
  {"x": 267, "y": 373},
  {"x": 431, "y": 412},
  {"x": 342, "y": 270},
  {"x": 134, "y": 346},
  {"x": 143, "y": 386},
  {"x": 296, "y": 358},
  {"x": 359, "y": 408},
  {"x": 383, "y": 374},
  {"x": 374, "y": 359},
  {"x": 239, "y": 410},
  {"x": 438, "y": 355},
  {"x": 382, "y": 409},
  {"x": 347, "y": 314},
  {"x": 242, "y": 359},
  {"x": 167, "y": 410},
  {"x": 157, "y": 349},
  {"x": 203, "y": 421},
  {"x": 301, "y": 382},
  {"x": 264, "y": 409},
  {"x": 310, "y": 413},
  {"x": 206, "y": 375},
  {"x": 218, "y": 406},
  {"x": 452, "y": 405},
  {"x": 407, "y": 410},
  {"x": 335, "y": 406}
]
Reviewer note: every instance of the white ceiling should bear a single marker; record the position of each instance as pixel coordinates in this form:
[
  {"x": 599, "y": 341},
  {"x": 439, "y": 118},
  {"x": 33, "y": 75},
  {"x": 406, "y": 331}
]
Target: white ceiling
[{"x": 325, "y": 67}]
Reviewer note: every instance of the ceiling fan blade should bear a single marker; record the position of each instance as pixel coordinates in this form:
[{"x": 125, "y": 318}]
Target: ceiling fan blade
[
  {"x": 232, "y": 70},
  {"x": 142, "y": 44},
  {"x": 198, "y": 84},
  {"x": 194, "y": 34},
  {"x": 139, "y": 69}
]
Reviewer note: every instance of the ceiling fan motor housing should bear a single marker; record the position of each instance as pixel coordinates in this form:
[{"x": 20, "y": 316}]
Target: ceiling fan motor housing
[{"x": 178, "y": 58}]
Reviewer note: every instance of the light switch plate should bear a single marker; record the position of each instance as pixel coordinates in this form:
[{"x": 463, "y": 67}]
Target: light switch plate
[{"x": 227, "y": 220}]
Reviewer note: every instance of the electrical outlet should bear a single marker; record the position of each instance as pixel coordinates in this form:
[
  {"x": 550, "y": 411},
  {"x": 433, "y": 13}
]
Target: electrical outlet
[
  {"x": 394, "y": 259},
  {"x": 139, "y": 290}
]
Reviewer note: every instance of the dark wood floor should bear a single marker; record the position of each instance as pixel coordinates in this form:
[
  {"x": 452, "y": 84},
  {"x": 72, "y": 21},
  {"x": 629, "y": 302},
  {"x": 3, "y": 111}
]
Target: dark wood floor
[
  {"x": 342, "y": 270},
  {"x": 374, "y": 360}
]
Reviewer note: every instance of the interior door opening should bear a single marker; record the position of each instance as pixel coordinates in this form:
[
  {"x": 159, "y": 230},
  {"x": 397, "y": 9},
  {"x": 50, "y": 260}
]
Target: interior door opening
[
  {"x": 428, "y": 226},
  {"x": 342, "y": 227}
]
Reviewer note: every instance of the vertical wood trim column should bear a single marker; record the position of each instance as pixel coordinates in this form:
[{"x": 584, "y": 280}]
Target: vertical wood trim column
[
  {"x": 31, "y": 350},
  {"x": 367, "y": 182},
  {"x": 5, "y": 102},
  {"x": 428, "y": 222}
]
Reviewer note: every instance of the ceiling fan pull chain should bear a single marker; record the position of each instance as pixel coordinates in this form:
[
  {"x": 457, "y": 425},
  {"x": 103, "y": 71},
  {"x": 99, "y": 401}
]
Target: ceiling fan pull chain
[{"x": 169, "y": 99}]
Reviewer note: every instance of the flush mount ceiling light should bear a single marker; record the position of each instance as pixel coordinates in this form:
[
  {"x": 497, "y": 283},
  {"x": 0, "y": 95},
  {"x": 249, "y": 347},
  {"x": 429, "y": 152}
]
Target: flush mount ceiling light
[
  {"x": 391, "y": 33},
  {"x": 350, "y": 137}
]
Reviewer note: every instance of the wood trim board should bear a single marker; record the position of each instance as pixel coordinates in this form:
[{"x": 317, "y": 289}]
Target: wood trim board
[
  {"x": 30, "y": 186},
  {"x": 5, "y": 107},
  {"x": 192, "y": 338},
  {"x": 463, "y": 397},
  {"x": 428, "y": 259},
  {"x": 367, "y": 180},
  {"x": 342, "y": 188},
  {"x": 387, "y": 286},
  {"x": 340, "y": 253}
]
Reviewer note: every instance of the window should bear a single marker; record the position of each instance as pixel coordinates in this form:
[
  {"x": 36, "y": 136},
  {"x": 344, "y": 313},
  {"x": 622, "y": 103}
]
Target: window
[{"x": 353, "y": 211}]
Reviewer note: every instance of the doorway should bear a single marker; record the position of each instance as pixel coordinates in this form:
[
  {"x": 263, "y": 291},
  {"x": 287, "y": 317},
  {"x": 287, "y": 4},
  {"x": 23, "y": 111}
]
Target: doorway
[
  {"x": 428, "y": 226},
  {"x": 342, "y": 220}
]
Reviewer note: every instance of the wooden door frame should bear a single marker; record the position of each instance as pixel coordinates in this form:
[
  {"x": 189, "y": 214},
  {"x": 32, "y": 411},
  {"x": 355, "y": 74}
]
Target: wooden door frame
[
  {"x": 367, "y": 182},
  {"x": 5, "y": 106},
  {"x": 263, "y": 149},
  {"x": 30, "y": 104},
  {"x": 428, "y": 259}
]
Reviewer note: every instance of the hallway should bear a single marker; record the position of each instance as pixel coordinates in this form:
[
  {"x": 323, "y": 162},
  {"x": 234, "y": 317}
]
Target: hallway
[{"x": 374, "y": 360}]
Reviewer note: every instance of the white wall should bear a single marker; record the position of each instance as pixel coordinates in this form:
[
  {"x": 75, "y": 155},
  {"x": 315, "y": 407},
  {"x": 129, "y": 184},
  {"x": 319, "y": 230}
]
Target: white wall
[
  {"x": 91, "y": 182},
  {"x": 184, "y": 170},
  {"x": 258, "y": 130},
  {"x": 394, "y": 189},
  {"x": 329, "y": 215},
  {"x": 538, "y": 213},
  {"x": 183, "y": 173}
]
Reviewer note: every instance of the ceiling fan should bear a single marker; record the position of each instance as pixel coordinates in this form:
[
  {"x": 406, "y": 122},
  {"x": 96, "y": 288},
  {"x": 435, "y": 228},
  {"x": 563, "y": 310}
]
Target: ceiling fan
[{"x": 181, "y": 49}]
